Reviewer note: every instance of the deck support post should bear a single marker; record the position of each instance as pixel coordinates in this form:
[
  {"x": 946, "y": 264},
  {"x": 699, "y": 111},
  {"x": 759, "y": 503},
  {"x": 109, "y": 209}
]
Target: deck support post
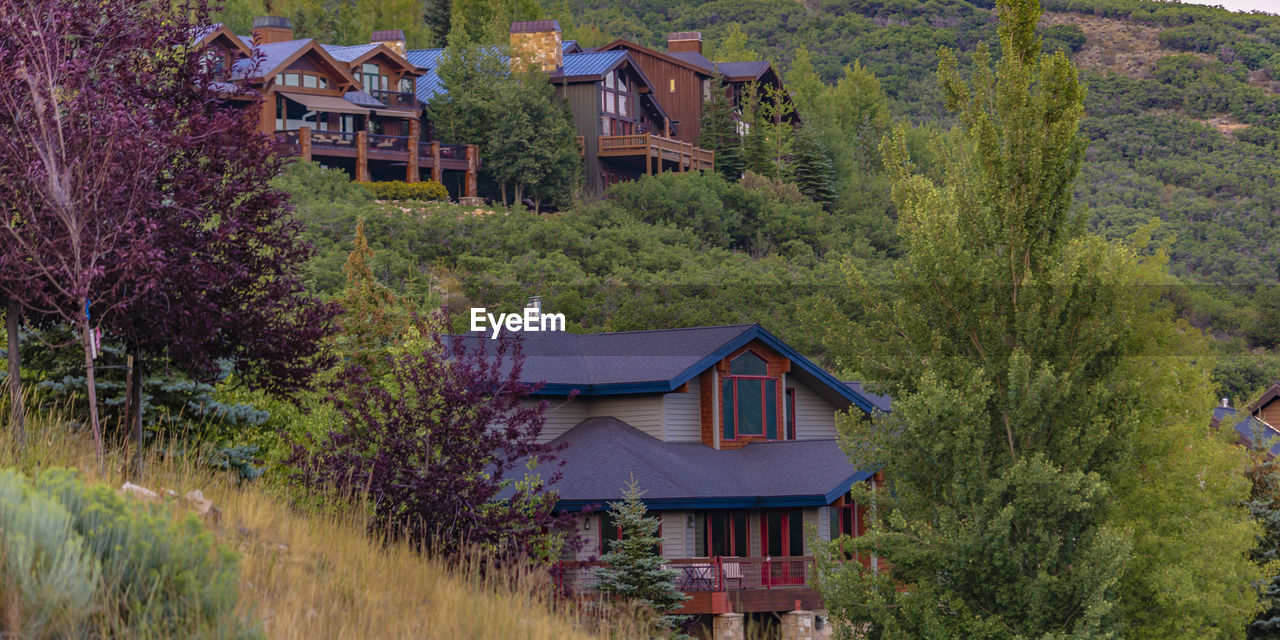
[
  {"x": 728, "y": 626},
  {"x": 415, "y": 134},
  {"x": 362, "y": 156},
  {"x": 798, "y": 625},
  {"x": 473, "y": 165},
  {"x": 437, "y": 173},
  {"x": 304, "y": 143}
]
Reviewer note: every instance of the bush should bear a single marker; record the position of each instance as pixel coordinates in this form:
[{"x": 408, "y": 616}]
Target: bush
[
  {"x": 86, "y": 561},
  {"x": 429, "y": 191}
]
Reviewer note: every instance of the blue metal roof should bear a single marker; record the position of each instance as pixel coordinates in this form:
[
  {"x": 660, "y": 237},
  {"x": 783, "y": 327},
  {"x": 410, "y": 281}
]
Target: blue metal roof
[
  {"x": 592, "y": 64},
  {"x": 425, "y": 58}
]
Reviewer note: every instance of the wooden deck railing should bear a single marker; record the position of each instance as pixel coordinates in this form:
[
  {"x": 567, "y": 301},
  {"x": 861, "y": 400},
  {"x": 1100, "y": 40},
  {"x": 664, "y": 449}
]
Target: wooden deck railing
[
  {"x": 647, "y": 144},
  {"x": 701, "y": 574}
]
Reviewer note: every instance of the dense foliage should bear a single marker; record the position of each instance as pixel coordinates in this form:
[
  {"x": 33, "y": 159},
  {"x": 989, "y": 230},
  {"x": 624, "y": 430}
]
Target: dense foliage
[
  {"x": 1043, "y": 507},
  {"x": 426, "y": 191},
  {"x": 430, "y": 447},
  {"x": 82, "y": 561}
]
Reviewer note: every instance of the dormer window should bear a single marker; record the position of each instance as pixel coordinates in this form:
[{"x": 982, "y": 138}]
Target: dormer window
[{"x": 749, "y": 399}]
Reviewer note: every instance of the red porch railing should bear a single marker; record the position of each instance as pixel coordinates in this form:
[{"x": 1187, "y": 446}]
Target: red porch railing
[{"x": 701, "y": 574}]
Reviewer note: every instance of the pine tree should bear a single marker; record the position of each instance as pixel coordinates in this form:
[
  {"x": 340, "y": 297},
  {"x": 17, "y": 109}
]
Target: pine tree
[
  {"x": 634, "y": 572},
  {"x": 436, "y": 14},
  {"x": 812, "y": 166},
  {"x": 373, "y": 317},
  {"x": 1023, "y": 355},
  {"x": 719, "y": 132},
  {"x": 1264, "y": 506}
]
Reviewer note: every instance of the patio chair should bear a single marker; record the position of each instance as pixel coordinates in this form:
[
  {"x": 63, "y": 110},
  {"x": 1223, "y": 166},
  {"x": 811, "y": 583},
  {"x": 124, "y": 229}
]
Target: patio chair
[{"x": 732, "y": 571}]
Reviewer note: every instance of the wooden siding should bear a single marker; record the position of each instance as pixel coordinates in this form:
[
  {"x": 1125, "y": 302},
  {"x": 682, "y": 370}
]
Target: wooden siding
[
  {"x": 682, "y": 413},
  {"x": 583, "y": 100},
  {"x": 685, "y": 104},
  {"x": 1271, "y": 413},
  {"x": 815, "y": 417}
]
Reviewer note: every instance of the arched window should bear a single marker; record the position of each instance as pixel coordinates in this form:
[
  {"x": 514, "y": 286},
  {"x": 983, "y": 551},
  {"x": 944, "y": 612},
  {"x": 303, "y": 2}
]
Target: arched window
[{"x": 749, "y": 399}]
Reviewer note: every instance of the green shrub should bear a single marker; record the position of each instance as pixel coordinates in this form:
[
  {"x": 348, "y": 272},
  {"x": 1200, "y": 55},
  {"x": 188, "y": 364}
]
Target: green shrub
[
  {"x": 87, "y": 561},
  {"x": 429, "y": 191}
]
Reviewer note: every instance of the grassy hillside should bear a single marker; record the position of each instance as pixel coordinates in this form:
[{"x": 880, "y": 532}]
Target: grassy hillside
[{"x": 312, "y": 576}]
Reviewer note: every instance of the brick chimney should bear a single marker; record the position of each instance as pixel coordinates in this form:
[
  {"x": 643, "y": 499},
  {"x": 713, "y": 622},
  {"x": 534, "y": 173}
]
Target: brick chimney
[
  {"x": 684, "y": 41},
  {"x": 537, "y": 42},
  {"x": 269, "y": 29},
  {"x": 394, "y": 39}
]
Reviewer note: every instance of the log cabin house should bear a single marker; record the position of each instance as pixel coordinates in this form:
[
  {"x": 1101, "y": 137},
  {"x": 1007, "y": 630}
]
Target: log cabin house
[
  {"x": 730, "y": 433},
  {"x": 353, "y": 108}
]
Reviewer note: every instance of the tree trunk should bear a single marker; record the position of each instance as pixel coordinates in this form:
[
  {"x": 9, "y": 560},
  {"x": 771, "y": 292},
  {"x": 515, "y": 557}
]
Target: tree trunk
[
  {"x": 93, "y": 393},
  {"x": 13, "y": 313},
  {"x": 135, "y": 413}
]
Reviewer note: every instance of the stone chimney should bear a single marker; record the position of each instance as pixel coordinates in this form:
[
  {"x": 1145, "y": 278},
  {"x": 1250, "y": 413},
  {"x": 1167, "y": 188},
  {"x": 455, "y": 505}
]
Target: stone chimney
[
  {"x": 684, "y": 41},
  {"x": 537, "y": 42},
  {"x": 394, "y": 39},
  {"x": 269, "y": 29}
]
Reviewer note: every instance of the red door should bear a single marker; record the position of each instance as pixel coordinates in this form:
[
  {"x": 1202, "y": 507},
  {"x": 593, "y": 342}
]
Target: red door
[{"x": 782, "y": 539}]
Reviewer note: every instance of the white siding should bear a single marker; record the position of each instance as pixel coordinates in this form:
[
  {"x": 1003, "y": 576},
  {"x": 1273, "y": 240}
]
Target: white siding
[
  {"x": 561, "y": 416},
  {"x": 590, "y": 537},
  {"x": 682, "y": 414},
  {"x": 674, "y": 533},
  {"x": 815, "y": 417},
  {"x": 824, "y": 523},
  {"x": 641, "y": 412},
  {"x": 812, "y": 518}
]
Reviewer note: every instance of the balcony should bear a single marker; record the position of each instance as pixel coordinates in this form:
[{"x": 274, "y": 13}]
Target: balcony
[
  {"x": 716, "y": 585},
  {"x": 396, "y": 99},
  {"x": 685, "y": 156},
  {"x": 369, "y": 155}
]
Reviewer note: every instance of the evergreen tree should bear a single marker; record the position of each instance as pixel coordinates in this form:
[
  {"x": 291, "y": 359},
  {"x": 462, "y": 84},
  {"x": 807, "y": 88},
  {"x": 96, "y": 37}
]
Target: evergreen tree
[
  {"x": 1021, "y": 355},
  {"x": 373, "y": 317},
  {"x": 436, "y": 14},
  {"x": 812, "y": 167},
  {"x": 634, "y": 572},
  {"x": 719, "y": 131}
]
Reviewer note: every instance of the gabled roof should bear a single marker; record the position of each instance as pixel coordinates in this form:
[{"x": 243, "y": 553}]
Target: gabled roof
[
  {"x": 570, "y": 46},
  {"x": 205, "y": 35},
  {"x": 622, "y": 43},
  {"x": 278, "y": 55},
  {"x": 604, "y": 454},
  {"x": 660, "y": 361},
  {"x": 1267, "y": 398},
  {"x": 359, "y": 53}
]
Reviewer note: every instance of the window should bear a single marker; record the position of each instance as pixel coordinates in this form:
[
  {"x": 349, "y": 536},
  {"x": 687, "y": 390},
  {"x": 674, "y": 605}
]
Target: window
[
  {"x": 610, "y": 102},
  {"x": 782, "y": 532},
  {"x": 369, "y": 76},
  {"x": 672, "y": 88},
  {"x": 406, "y": 85},
  {"x": 311, "y": 82},
  {"x": 791, "y": 413},
  {"x": 749, "y": 399},
  {"x": 322, "y": 82},
  {"x": 384, "y": 83},
  {"x": 292, "y": 80},
  {"x": 723, "y": 533}
]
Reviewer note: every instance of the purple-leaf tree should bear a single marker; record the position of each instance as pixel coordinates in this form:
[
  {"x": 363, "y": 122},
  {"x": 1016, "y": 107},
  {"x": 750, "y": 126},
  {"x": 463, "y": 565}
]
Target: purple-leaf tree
[
  {"x": 80, "y": 151},
  {"x": 231, "y": 288},
  {"x": 435, "y": 449}
]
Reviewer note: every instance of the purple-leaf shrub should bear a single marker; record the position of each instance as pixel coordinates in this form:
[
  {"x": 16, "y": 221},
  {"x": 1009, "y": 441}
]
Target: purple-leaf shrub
[{"x": 436, "y": 449}]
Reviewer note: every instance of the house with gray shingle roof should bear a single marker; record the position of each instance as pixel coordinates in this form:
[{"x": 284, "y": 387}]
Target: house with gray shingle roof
[{"x": 731, "y": 435}]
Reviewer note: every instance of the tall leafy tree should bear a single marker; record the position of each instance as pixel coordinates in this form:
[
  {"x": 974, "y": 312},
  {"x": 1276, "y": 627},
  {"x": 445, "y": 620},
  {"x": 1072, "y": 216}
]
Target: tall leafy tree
[
  {"x": 634, "y": 571},
  {"x": 733, "y": 48},
  {"x": 1012, "y": 343},
  {"x": 83, "y": 140}
]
